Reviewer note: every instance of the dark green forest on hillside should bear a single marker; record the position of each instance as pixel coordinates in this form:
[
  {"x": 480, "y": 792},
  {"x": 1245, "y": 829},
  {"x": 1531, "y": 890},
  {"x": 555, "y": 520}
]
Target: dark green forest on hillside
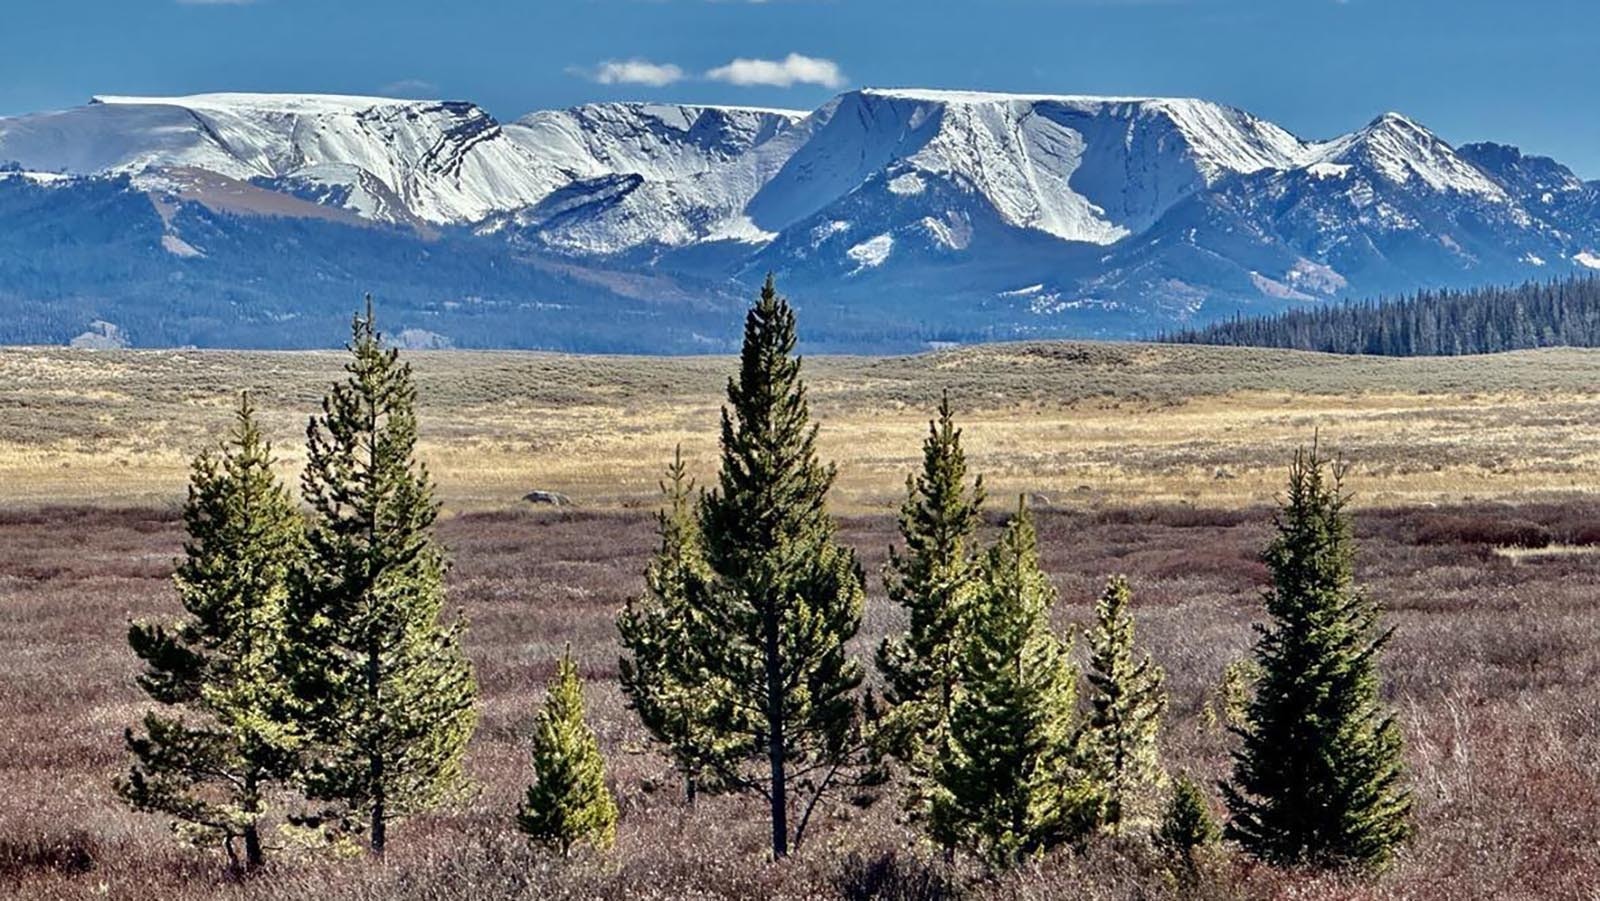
[{"x": 1563, "y": 313}]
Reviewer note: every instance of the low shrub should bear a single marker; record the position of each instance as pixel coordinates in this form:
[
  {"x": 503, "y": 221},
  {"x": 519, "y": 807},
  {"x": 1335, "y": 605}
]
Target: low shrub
[{"x": 1484, "y": 529}]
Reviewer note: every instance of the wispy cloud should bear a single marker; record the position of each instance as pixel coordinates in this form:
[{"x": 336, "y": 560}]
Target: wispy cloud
[
  {"x": 791, "y": 70},
  {"x": 632, "y": 71},
  {"x": 409, "y": 87}
]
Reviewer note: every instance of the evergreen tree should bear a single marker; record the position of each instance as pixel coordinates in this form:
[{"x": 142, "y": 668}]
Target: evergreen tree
[
  {"x": 1187, "y": 825},
  {"x": 932, "y": 580},
  {"x": 1009, "y": 784},
  {"x": 1563, "y": 312},
  {"x": 783, "y": 597},
  {"x": 1318, "y": 778},
  {"x": 216, "y": 761},
  {"x": 384, "y": 681},
  {"x": 1118, "y": 742},
  {"x": 663, "y": 673},
  {"x": 568, "y": 801}
]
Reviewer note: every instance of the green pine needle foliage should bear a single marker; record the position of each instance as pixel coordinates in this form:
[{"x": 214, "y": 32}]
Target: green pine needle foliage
[
  {"x": 783, "y": 598},
  {"x": 664, "y": 674},
  {"x": 225, "y": 741},
  {"x": 1126, "y": 701},
  {"x": 568, "y": 802},
  {"x": 381, "y": 676},
  {"x": 1009, "y": 784},
  {"x": 1187, "y": 826},
  {"x": 932, "y": 579},
  {"x": 1318, "y": 779}
]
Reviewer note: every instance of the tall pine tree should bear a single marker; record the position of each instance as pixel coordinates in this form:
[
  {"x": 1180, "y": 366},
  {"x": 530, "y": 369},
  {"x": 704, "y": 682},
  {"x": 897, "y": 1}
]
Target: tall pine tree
[
  {"x": 663, "y": 672},
  {"x": 1009, "y": 784},
  {"x": 932, "y": 579},
  {"x": 783, "y": 596},
  {"x": 1318, "y": 779},
  {"x": 215, "y": 762},
  {"x": 1118, "y": 742},
  {"x": 568, "y": 802},
  {"x": 382, "y": 678}
]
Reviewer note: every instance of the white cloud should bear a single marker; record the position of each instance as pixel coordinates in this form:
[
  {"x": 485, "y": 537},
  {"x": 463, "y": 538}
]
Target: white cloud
[
  {"x": 632, "y": 71},
  {"x": 791, "y": 70}
]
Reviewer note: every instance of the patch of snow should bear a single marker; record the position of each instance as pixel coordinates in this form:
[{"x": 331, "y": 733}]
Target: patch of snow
[
  {"x": 1587, "y": 258},
  {"x": 101, "y": 335},
  {"x": 871, "y": 253},
  {"x": 313, "y": 103},
  {"x": 907, "y": 185},
  {"x": 1532, "y": 259},
  {"x": 827, "y": 230},
  {"x": 1328, "y": 170},
  {"x": 1048, "y": 304},
  {"x": 741, "y": 229},
  {"x": 954, "y": 234},
  {"x": 38, "y": 178},
  {"x": 420, "y": 339},
  {"x": 1022, "y": 292},
  {"x": 1273, "y": 288},
  {"x": 180, "y": 248},
  {"x": 1314, "y": 276}
]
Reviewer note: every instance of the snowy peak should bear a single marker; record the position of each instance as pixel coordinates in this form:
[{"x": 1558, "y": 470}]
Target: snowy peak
[
  {"x": 1402, "y": 152},
  {"x": 443, "y": 161},
  {"x": 1222, "y": 138},
  {"x": 1093, "y": 203},
  {"x": 1086, "y": 169}
]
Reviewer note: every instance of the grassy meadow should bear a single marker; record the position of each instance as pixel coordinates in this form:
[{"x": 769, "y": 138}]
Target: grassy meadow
[
  {"x": 1079, "y": 424},
  {"x": 1477, "y": 522}
]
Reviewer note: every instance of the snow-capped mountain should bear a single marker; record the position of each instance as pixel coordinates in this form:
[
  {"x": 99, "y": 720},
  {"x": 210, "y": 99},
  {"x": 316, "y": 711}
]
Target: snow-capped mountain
[{"x": 903, "y": 215}]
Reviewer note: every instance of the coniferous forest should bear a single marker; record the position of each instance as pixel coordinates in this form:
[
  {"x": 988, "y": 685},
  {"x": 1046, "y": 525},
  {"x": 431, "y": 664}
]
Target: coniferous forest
[{"x": 1562, "y": 313}]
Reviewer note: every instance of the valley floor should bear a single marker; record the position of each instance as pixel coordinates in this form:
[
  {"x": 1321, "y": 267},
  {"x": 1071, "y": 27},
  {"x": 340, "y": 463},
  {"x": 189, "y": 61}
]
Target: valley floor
[{"x": 1157, "y": 462}]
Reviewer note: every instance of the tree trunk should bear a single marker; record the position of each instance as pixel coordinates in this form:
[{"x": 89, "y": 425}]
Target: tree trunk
[
  {"x": 252, "y": 832},
  {"x": 252, "y": 847},
  {"x": 375, "y": 761},
  {"x": 379, "y": 824},
  {"x": 775, "y": 741}
]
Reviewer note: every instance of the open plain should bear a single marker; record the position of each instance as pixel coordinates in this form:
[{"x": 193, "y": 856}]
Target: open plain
[{"x": 1477, "y": 520}]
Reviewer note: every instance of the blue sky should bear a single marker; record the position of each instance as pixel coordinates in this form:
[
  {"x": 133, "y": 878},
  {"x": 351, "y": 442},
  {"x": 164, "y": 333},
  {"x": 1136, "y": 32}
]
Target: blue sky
[{"x": 1522, "y": 72}]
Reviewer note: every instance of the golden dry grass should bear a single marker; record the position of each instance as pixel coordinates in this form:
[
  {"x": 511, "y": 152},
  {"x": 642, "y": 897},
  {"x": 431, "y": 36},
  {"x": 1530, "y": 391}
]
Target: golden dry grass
[{"x": 1079, "y": 425}]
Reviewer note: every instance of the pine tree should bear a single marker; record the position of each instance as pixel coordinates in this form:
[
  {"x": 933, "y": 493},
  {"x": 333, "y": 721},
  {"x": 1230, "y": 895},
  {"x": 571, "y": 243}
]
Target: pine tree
[
  {"x": 216, "y": 764},
  {"x": 1118, "y": 742},
  {"x": 932, "y": 580},
  {"x": 783, "y": 598},
  {"x": 664, "y": 674},
  {"x": 1187, "y": 825},
  {"x": 568, "y": 802},
  {"x": 1009, "y": 784},
  {"x": 384, "y": 681},
  {"x": 1318, "y": 779}
]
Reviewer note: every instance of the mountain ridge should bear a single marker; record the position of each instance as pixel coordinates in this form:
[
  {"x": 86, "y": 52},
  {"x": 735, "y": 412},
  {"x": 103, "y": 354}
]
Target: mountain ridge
[{"x": 906, "y": 213}]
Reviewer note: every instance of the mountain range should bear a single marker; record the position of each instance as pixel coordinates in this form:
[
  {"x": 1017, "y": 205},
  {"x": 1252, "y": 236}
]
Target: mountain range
[{"x": 896, "y": 219}]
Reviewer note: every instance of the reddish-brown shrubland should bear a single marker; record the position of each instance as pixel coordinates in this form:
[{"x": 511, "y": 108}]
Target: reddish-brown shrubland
[{"x": 1493, "y": 673}]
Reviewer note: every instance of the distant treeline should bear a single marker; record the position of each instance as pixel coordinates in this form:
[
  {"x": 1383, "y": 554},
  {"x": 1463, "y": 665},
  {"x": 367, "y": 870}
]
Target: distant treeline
[{"x": 1564, "y": 313}]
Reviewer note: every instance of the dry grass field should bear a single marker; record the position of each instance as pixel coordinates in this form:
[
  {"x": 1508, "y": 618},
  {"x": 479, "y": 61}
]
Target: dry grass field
[
  {"x": 1083, "y": 425},
  {"x": 1477, "y": 530}
]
